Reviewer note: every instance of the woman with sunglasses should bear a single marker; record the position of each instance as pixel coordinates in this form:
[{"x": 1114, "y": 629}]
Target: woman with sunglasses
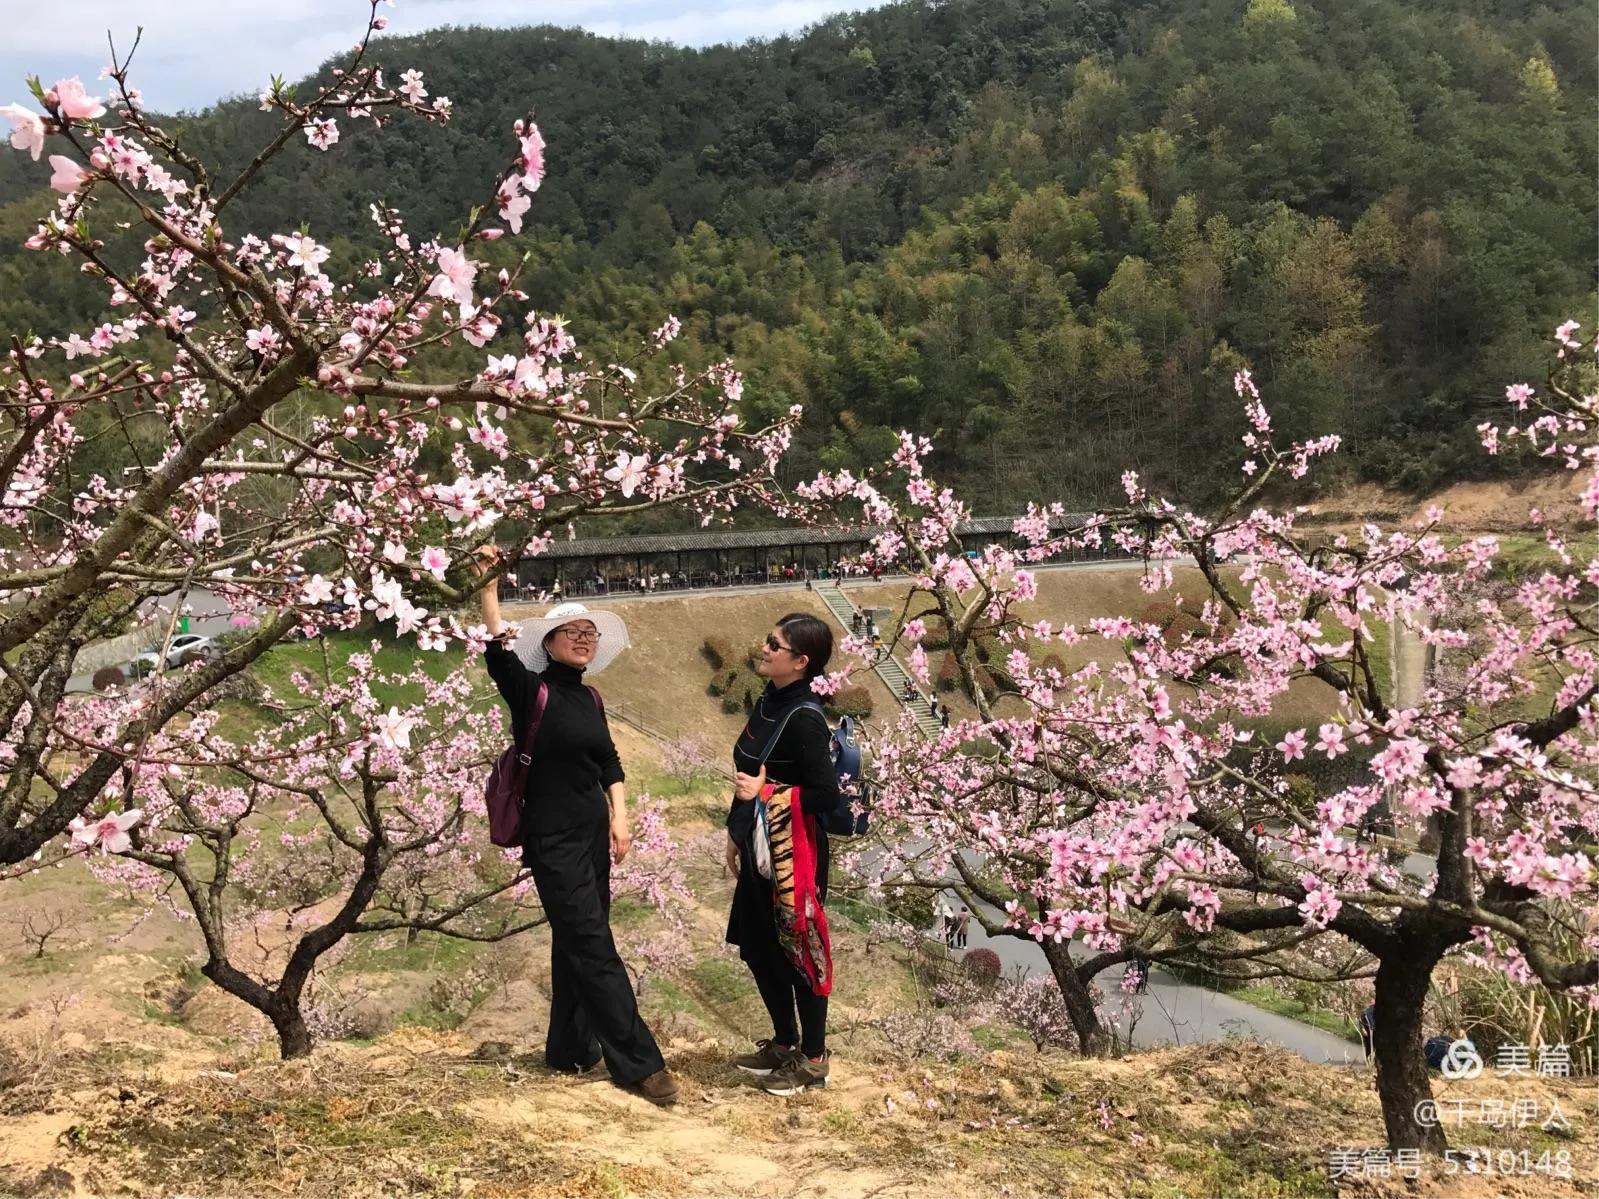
[
  {"x": 796, "y": 651},
  {"x": 574, "y": 823}
]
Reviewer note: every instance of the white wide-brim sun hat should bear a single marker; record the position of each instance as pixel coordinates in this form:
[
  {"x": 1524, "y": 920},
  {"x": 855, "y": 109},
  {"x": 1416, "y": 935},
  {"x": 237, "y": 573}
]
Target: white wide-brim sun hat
[{"x": 529, "y": 644}]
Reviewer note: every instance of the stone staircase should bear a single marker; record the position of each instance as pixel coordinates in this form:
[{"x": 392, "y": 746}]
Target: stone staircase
[{"x": 888, "y": 669}]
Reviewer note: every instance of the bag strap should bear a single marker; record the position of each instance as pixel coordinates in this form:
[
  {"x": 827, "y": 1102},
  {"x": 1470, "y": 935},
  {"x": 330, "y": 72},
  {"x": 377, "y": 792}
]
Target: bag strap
[
  {"x": 525, "y": 754},
  {"x": 783, "y": 724}
]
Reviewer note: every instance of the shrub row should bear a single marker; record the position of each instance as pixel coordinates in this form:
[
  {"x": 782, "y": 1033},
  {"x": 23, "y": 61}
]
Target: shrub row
[
  {"x": 855, "y": 702},
  {"x": 717, "y": 652},
  {"x": 937, "y": 632}
]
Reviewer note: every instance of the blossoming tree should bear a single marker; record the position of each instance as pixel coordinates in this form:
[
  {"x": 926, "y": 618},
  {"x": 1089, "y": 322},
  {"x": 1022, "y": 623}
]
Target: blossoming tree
[
  {"x": 344, "y": 819},
  {"x": 284, "y": 445},
  {"x": 1115, "y": 801}
]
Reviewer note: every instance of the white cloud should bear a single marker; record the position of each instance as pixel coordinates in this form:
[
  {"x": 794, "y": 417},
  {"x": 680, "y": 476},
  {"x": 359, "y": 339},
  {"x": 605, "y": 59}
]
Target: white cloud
[{"x": 194, "y": 52}]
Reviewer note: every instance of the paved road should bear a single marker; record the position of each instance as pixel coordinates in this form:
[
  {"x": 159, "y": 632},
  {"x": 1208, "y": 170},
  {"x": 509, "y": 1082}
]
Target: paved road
[
  {"x": 209, "y": 616},
  {"x": 1172, "y": 1012}
]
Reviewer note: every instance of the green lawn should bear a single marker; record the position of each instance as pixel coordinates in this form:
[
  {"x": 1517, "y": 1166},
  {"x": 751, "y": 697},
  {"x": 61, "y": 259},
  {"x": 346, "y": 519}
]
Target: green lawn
[
  {"x": 1521, "y": 555},
  {"x": 721, "y": 980},
  {"x": 1378, "y": 647},
  {"x": 431, "y": 953},
  {"x": 1272, "y": 1000},
  {"x": 319, "y": 657}
]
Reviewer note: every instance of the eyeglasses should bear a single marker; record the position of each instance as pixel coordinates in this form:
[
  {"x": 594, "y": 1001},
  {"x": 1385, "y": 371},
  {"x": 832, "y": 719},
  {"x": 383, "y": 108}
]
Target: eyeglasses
[
  {"x": 581, "y": 636},
  {"x": 773, "y": 644}
]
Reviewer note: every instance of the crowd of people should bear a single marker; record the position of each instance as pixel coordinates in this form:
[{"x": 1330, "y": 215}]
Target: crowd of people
[
  {"x": 582, "y": 577},
  {"x": 639, "y": 583},
  {"x": 862, "y": 625}
]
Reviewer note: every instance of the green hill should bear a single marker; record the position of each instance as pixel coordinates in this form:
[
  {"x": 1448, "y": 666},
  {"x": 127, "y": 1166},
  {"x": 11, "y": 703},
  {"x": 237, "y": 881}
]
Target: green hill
[{"x": 1050, "y": 231}]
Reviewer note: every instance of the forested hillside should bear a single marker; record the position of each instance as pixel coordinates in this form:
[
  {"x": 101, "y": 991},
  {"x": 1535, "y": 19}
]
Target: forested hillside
[{"x": 1049, "y": 230}]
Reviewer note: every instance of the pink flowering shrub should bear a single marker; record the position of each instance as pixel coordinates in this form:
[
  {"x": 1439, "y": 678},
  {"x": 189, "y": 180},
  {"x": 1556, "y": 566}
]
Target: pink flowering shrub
[
  {"x": 1035, "y": 1006},
  {"x": 919, "y": 1033},
  {"x": 686, "y": 762}
]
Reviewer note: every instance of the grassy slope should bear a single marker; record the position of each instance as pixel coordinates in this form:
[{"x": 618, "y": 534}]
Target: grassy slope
[
  {"x": 115, "y": 977},
  {"x": 1076, "y": 596}
]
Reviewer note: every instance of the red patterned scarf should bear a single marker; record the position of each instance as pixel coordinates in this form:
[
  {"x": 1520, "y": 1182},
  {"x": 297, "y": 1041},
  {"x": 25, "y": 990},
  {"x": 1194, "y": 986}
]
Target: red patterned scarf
[{"x": 801, "y": 922}]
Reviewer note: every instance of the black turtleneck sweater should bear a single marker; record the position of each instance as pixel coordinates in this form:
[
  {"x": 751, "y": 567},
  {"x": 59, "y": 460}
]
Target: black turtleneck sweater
[{"x": 574, "y": 759}]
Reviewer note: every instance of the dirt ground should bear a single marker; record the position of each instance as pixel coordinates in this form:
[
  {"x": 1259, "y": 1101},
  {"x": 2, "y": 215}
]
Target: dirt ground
[
  {"x": 420, "y": 1113},
  {"x": 1483, "y": 507},
  {"x": 121, "y": 1074}
]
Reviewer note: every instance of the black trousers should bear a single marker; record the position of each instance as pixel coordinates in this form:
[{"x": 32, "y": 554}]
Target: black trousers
[
  {"x": 592, "y": 1007},
  {"x": 784, "y": 990}
]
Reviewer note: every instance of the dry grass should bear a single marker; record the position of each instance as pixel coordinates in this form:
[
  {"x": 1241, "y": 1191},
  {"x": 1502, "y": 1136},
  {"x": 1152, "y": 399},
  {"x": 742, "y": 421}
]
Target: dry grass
[
  {"x": 1478, "y": 507},
  {"x": 1077, "y": 595},
  {"x": 96, "y": 1100},
  {"x": 414, "y": 1115}
]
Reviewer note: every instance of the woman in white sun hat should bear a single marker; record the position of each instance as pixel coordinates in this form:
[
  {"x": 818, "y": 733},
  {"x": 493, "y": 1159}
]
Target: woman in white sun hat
[{"x": 574, "y": 823}]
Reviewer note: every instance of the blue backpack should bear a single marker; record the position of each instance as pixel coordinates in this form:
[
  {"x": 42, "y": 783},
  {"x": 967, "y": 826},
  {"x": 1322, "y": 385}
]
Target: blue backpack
[{"x": 850, "y": 819}]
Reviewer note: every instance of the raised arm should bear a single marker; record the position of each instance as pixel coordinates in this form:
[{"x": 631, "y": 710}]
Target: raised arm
[
  {"x": 505, "y": 668},
  {"x": 489, "y": 555}
]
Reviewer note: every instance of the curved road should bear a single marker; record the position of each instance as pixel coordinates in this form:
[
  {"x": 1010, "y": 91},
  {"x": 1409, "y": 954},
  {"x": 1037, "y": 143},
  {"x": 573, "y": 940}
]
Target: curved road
[{"x": 1172, "y": 1012}]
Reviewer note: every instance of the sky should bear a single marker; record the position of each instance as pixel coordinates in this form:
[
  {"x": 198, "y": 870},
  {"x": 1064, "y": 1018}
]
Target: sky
[{"x": 195, "y": 52}]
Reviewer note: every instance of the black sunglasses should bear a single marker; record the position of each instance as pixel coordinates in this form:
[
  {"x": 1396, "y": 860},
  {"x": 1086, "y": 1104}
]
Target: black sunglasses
[{"x": 773, "y": 644}]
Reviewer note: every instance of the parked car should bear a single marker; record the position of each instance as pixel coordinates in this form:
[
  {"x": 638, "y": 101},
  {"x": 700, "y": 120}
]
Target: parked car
[{"x": 185, "y": 647}]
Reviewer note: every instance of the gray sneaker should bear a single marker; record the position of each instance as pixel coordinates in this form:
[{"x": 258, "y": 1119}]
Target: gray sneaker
[
  {"x": 798, "y": 1074},
  {"x": 768, "y": 1056}
]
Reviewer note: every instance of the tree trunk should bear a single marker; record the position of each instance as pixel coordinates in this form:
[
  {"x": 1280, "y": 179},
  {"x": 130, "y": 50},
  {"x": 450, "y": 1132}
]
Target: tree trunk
[
  {"x": 1092, "y": 1039},
  {"x": 1402, "y": 1083},
  {"x": 281, "y": 1006},
  {"x": 294, "y": 1038}
]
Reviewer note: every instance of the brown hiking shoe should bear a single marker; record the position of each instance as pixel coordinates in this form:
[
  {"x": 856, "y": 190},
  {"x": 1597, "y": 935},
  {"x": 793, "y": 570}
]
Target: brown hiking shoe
[
  {"x": 798, "y": 1074},
  {"x": 659, "y": 1088},
  {"x": 768, "y": 1056}
]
